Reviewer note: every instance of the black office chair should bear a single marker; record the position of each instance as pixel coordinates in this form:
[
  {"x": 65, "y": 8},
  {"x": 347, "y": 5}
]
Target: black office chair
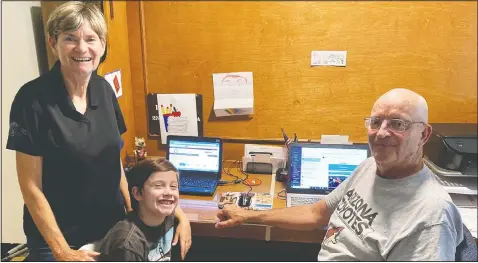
[{"x": 467, "y": 249}]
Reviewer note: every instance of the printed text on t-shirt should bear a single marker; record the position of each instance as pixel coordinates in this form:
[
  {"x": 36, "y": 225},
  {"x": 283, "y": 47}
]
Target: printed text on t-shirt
[{"x": 356, "y": 214}]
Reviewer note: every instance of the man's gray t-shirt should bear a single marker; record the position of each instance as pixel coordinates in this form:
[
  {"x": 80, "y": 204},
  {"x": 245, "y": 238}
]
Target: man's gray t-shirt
[{"x": 376, "y": 219}]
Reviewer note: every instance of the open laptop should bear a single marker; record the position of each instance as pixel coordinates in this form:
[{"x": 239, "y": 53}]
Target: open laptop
[
  {"x": 199, "y": 162},
  {"x": 317, "y": 169}
]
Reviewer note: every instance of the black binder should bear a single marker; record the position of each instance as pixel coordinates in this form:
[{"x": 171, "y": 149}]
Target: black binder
[{"x": 153, "y": 117}]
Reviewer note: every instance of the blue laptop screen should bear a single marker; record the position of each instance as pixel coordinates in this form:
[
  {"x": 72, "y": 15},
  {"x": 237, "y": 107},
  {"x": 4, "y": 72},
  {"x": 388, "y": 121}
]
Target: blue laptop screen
[
  {"x": 322, "y": 168},
  {"x": 195, "y": 155}
]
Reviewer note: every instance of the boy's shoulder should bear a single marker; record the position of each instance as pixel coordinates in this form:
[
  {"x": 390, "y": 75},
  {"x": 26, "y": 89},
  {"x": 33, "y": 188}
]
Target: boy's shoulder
[
  {"x": 124, "y": 228},
  {"x": 170, "y": 221},
  {"x": 125, "y": 235}
]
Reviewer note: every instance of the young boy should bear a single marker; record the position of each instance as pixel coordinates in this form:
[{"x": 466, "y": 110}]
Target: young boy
[{"x": 147, "y": 232}]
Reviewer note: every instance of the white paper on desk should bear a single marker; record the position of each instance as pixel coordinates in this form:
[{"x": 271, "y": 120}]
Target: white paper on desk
[
  {"x": 469, "y": 219},
  {"x": 276, "y": 151},
  {"x": 233, "y": 93},
  {"x": 458, "y": 185},
  {"x": 178, "y": 115},
  {"x": 464, "y": 200},
  {"x": 197, "y": 204}
]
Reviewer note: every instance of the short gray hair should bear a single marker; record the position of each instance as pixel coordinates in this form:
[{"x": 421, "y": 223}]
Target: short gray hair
[{"x": 71, "y": 15}]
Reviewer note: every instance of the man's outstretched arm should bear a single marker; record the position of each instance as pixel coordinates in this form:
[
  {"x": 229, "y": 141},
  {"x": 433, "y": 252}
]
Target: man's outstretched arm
[{"x": 305, "y": 217}]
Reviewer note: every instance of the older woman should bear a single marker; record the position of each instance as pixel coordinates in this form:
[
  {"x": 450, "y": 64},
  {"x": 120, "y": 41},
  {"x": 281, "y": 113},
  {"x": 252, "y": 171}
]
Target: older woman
[{"x": 66, "y": 127}]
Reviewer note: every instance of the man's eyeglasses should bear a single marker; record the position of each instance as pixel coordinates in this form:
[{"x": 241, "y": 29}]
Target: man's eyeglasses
[{"x": 395, "y": 125}]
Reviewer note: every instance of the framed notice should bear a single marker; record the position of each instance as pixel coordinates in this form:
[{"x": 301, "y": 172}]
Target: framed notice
[{"x": 174, "y": 114}]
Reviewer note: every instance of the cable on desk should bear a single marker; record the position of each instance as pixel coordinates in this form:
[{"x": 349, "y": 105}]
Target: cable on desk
[
  {"x": 282, "y": 197},
  {"x": 239, "y": 168},
  {"x": 228, "y": 172},
  {"x": 248, "y": 181}
]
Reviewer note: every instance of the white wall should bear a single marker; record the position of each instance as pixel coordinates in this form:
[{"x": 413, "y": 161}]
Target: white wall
[{"x": 20, "y": 64}]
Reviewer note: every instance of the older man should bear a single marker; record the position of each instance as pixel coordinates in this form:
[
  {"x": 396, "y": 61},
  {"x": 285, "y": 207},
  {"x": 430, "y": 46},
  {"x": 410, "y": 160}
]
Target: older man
[{"x": 390, "y": 208}]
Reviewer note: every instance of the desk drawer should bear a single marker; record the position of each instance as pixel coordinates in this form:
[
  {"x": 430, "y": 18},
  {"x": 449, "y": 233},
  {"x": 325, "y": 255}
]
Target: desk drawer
[
  {"x": 244, "y": 231},
  {"x": 288, "y": 235}
]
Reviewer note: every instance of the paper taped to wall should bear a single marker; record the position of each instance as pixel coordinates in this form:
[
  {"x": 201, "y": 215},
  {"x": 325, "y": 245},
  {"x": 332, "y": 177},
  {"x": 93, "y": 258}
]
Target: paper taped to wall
[
  {"x": 233, "y": 94},
  {"x": 329, "y": 58},
  {"x": 179, "y": 114},
  {"x": 114, "y": 79}
]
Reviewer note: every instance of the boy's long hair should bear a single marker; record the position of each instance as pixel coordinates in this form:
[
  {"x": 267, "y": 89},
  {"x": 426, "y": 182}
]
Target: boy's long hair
[{"x": 138, "y": 175}]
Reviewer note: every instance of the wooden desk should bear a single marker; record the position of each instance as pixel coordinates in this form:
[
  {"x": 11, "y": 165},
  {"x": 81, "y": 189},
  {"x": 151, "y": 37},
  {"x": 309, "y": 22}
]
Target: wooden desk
[{"x": 203, "y": 218}]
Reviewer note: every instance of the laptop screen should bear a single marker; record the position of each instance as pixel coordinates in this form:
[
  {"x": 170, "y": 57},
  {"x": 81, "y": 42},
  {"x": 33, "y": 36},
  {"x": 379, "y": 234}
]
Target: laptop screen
[
  {"x": 188, "y": 154},
  {"x": 322, "y": 166}
]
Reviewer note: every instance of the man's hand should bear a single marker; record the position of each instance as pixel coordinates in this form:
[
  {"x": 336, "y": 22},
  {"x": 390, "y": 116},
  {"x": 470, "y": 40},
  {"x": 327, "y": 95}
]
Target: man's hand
[
  {"x": 76, "y": 255},
  {"x": 183, "y": 233},
  {"x": 231, "y": 215}
]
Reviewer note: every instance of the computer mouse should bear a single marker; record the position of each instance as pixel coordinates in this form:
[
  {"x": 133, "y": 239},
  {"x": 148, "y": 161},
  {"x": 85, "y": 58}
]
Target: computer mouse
[
  {"x": 281, "y": 175},
  {"x": 244, "y": 200}
]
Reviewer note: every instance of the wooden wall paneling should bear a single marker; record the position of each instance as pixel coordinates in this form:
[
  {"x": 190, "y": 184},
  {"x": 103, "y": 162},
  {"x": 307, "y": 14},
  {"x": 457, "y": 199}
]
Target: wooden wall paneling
[
  {"x": 136, "y": 62},
  {"x": 46, "y": 8},
  {"x": 118, "y": 58},
  {"x": 250, "y": 232},
  {"x": 429, "y": 47},
  {"x": 138, "y": 81}
]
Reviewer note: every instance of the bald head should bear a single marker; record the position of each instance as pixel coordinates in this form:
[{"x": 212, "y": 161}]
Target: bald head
[
  {"x": 398, "y": 152},
  {"x": 408, "y": 100}
]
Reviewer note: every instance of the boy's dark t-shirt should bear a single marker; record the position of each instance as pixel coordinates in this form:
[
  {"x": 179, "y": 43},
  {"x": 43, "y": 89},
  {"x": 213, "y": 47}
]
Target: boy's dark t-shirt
[{"x": 132, "y": 240}]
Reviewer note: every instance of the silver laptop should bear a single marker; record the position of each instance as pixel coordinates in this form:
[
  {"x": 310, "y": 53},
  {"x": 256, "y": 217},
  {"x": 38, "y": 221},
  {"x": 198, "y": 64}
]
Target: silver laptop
[{"x": 317, "y": 169}]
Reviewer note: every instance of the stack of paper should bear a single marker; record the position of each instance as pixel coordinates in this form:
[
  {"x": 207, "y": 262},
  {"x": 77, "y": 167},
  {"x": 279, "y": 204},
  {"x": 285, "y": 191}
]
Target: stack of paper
[
  {"x": 467, "y": 205},
  {"x": 459, "y": 185},
  {"x": 198, "y": 204},
  {"x": 464, "y": 200},
  {"x": 273, "y": 151},
  {"x": 469, "y": 219}
]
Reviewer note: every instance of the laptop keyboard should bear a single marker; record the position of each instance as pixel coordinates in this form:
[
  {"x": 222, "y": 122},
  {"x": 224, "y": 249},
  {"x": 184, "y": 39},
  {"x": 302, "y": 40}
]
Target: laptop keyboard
[
  {"x": 196, "y": 182},
  {"x": 303, "y": 200}
]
